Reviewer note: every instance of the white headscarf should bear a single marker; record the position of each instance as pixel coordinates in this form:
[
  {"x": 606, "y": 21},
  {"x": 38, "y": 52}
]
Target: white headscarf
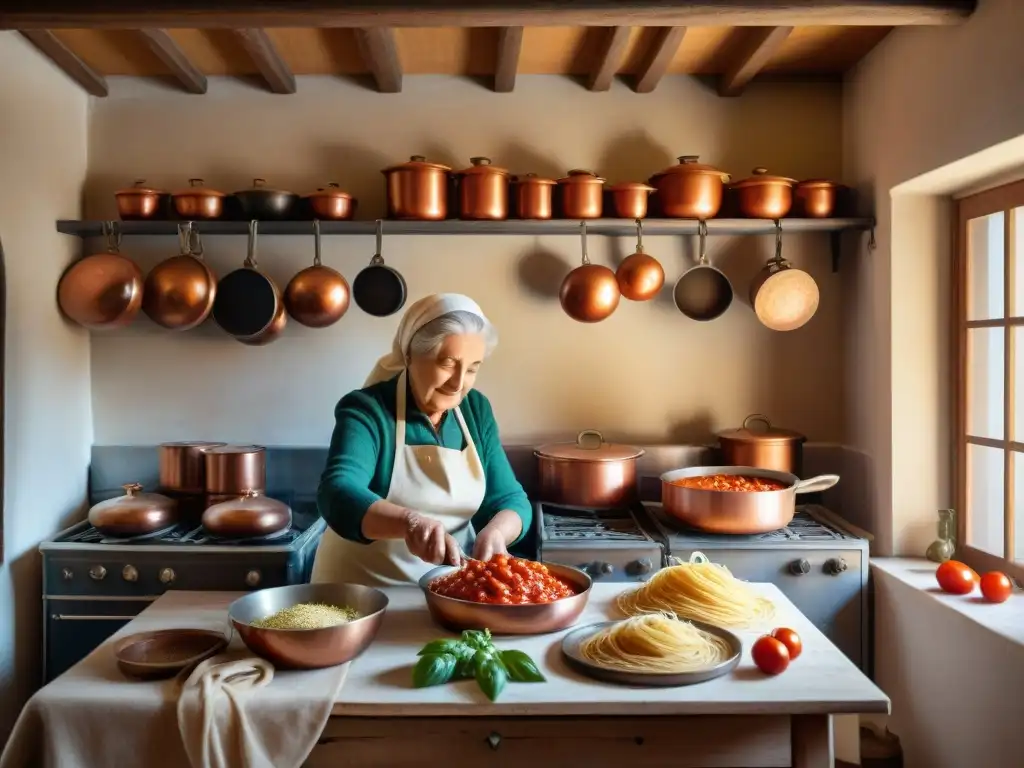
[{"x": 416, "y": 316}]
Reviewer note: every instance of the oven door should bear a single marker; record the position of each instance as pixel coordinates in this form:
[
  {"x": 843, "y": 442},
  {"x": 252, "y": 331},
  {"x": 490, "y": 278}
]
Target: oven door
[{"x": 74, "y": 628}]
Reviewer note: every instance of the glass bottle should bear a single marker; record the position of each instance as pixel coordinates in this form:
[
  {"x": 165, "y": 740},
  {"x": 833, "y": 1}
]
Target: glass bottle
[{"x": 943, "y": 547}]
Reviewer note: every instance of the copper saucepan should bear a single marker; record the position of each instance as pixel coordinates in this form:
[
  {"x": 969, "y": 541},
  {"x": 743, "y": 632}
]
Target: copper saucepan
[
  {"x": 766, "y": 448},
  {"x": 180, "y": 291},
  {"x": 590, "y": 293},
  {"x": 588, "y": 472},
  {"x": 737, "y": 512},
  {"x": 102, "y": 291},
  {"x": 318, "y": 296}
]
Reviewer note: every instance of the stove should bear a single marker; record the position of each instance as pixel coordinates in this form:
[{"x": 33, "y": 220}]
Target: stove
[{"x": 93, "y": 584}]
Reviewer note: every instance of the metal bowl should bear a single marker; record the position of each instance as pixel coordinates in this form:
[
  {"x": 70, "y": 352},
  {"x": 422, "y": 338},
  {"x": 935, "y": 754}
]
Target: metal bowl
[
  {"x": 539, "y": 619},
  {"x": 309, "y": 648}
]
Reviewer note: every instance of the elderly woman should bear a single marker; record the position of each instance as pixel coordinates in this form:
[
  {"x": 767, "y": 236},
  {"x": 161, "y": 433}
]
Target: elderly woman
[{"x": 416, "y": 475}]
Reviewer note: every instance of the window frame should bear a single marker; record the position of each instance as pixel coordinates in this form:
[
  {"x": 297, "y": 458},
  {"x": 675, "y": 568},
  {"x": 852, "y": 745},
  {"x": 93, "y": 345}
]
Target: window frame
[{"x": 1003, "y": 199}]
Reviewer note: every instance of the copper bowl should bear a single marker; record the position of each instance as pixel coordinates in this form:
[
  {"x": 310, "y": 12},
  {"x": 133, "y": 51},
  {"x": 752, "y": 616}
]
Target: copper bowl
[
  {"x": 166, "y": 652},
  {"x": 309, "y": 648},
  {"x": 458, "y": 615}
]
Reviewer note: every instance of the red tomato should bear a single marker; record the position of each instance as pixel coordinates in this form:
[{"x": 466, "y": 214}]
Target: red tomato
[
  {"x": 790, "y": 639},
  {"x": 770, "y": 655},
  {"x": 996, "y": 587},
  {"x": 956, "y": 578}
]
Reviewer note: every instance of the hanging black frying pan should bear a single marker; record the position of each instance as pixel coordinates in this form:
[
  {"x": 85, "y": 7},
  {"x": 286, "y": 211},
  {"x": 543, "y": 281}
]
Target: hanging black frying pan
[
  {"x": 248, "y": 304},
  {"x": 378, "y": 289},
  {"x": 703, "y": 292}
]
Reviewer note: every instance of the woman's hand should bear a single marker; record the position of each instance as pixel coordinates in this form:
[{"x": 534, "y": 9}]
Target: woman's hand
[
  {"x": 496, "y": 535},
  {"x": 427, "y": 539}
]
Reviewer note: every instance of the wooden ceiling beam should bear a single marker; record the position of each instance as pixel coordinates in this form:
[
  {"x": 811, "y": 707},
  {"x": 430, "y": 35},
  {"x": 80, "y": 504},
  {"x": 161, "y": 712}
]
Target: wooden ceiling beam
[
  {"x": 510, "y": 45},
  {"x": 380, "y": 52},
  {"x": 666, "y": 43},
  {"x": 272, "y": 67},
  {"x": 50, "y": 46},
  {"x": 206, "y": 14},
  {"x": 170, "y": 53},
  {"x": 761, "y": 45},
  {"x": 611, "y": 59}
]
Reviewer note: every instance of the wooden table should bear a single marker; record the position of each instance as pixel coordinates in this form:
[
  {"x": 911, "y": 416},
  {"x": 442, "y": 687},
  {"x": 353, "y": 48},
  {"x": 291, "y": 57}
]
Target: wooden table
[{"x": 744, "y": 719}]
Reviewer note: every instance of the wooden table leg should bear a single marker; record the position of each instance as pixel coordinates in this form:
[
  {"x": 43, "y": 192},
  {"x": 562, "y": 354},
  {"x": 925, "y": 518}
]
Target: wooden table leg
[{"x": 812, "y": 742}]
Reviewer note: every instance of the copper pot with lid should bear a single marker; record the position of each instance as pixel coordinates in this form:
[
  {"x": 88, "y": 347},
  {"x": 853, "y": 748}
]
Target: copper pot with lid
[
  {"x": 629, "y": 199},
  {"x": 198, "y": 201},
  {"x": 533, "y": 196},
  {"x": 690, "y": 190},
  {"x": 332, "y": 203},
  {"x": 764, "y": 447},
  {"x": 483, "y": 191},
  {"x": 235, "y": 468},
  {"x": 815, "y": 198},
  {"x": 134, "y": 514},
  {"x": 250, "y": 515},
  {"x": 183, "y": 465},
  {"x": 582, "y": 194},
  {"x": 140, "y": 202},
  {"x": 588, "y": 472},
  {"x": 417, "y": 190},
  {"x": 763, "y": 196}
]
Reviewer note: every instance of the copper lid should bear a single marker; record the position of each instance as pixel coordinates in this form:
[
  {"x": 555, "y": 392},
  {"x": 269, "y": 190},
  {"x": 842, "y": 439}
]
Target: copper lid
[
  {"x": 578, "y": 176},
  {"x": 198, "y": 187},
  {"x": 482, "y": 165},
  {"x": 589, "y": 446},
  {"x": 761, "y": 177},
  {"x": 417, "y": 162},
  {"x": 533, "y": 178},
  {"x": 140, "y": 188},
  {"x": 767, "y": 434},
  {"x": 247, "y": 514},
  {"x": 260, "y": 185},
  {"x": 333, "y": 189},
  {"x": 630, "y": 186},
  {"x": 133, "y": 503},
  {"x": 817, "y": 183},
  {"x": 688, "y": 165}
]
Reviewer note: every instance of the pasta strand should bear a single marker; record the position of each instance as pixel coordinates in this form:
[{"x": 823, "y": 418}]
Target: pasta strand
[{"x": 655, "y": 643}]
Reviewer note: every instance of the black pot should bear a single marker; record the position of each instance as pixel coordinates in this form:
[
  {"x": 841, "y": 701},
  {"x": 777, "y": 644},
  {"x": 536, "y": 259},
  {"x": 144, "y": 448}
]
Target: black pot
[{"x": 266, "y": 204}]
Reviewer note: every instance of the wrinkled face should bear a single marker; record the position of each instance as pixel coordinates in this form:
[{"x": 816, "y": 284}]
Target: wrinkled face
[{"x": 441, "y": 378}]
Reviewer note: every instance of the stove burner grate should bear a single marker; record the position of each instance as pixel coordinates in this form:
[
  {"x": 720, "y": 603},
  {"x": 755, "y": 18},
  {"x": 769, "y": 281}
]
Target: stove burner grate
[
  {"x": 803, "y": 527},
  {"x": 579, "y": 524}
]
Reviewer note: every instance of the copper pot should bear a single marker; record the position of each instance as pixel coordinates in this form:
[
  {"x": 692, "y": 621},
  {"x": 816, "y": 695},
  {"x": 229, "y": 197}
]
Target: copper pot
[
  {"x": 102, "y": 291},
  {"x": 590, "y": 293},
  {"x": 179, "y": 292},
  {"x": 134, "y": 514},
  {"x": 640, "y": 276},
  {"x": 483, "y": 191},
  {"x": 331, "y": 203},
  {"x": 235, "y": 468},
  {"x": 140, "y": 202},
  {"x": 318, "y": 296},
  {"x": 629, "y": 199},
  {"x": 250, "y": 515},
  {"x": 261, "y": 202},
  {"x": 417, "y": 190},
  {"x": 198, "y": 201},
  {"x": 533, "y": 196},
  {"x": 582, "y": 195},
  {"x": 763, "y": 196},
  {"x": 767, "y": 448},
  {"x": 815, "y": 198},
  {"x": 183, "y": 466},
  {"x": 588, "y": 472},
  {"x": 690, "y": 190},
  {"x": 736, "y": 512}
]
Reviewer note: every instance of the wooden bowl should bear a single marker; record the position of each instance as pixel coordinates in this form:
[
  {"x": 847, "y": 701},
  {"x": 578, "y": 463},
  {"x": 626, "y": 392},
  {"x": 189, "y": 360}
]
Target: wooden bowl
[{"x": 165, "y": 652}]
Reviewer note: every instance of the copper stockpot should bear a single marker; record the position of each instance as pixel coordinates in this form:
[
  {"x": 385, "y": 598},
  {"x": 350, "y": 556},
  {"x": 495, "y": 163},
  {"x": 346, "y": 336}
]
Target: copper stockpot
[
  {"x": 690, "y": 190},
  {"x": 736, "y": 512},
  {"x": 331, "y": 203},
  {"x": 417, "y": 190},
  {"x": 767, "y": 448},
  {"x": 246, "y": 516},
  {"x": 483, "y": 191},
  {"x": 589, "y": 293},
  {"x": 582, "y": 195},
  {"x": 815, "y": 198},
  {"x": 763, "y": 196},
  {"x": 533, "y": 196},
  {"x": 134, "y": 514},
  {"x": 629, "y": 199},
  {"x": 102, "y": 291},
  {"x": 183, "y": 466},
  {"x": 318, "y": 296},
  {"x": 140, "y": 202},
  {"x": 198, "y": 201},
  {"x": 588, "y": 472},
  {"x": 179, "y": 292},
  {"x": 235, "y": 469}
]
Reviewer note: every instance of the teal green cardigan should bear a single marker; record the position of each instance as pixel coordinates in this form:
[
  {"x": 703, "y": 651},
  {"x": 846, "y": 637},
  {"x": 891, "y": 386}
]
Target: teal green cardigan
[{"x": 362, "y": 452}]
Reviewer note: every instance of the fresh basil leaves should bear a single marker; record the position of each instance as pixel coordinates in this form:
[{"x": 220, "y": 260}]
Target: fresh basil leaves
[{"x": 473, "y": 655}]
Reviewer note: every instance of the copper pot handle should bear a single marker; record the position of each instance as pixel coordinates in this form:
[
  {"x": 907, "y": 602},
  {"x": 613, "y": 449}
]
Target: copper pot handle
[
  {"x": 586, "y": 433},
  {"x": 639, "y": 236},
  {"x": 250, "y": 256},
  {"x": 316, "y": 242},
  {"x": 702, "y": 235},
  {"x": 112, "y": 231},
  {"x": 777, "y": 263},
  {"x": 757, "y": 417},
  {"x": 257, "y": 183},
  {"x": 583, "y": 242},
  {"x": 195, "y": 182},
  {"x": 816, "y": 483},
  {"x": 130, "y": 489},
  {"x": 377, "y": 259}
]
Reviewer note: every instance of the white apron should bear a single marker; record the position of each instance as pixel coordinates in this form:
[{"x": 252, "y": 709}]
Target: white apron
[{"x": 442, "y": 483}]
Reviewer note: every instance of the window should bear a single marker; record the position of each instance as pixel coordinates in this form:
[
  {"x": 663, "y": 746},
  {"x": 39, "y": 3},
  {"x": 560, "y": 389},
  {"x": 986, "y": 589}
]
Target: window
[{"x": 989, "y": 383}]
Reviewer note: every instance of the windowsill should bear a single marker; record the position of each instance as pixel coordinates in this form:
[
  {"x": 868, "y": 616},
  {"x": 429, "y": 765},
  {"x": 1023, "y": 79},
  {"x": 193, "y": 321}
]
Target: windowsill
[{"x": 1004, "y": 620}]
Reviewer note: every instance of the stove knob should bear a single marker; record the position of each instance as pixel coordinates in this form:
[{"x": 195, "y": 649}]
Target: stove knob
[
  {"x": 835, "y": 566},
  {"x": 97, "y": 573},
  {"x": 252, "y": 578},
  {"x": 606, "y": 569},
  {"x": 130, "y": 573},
  {"x": 639, "y": 567},
  {"x": 167, "y": 575},
  {"x": 799, "y": 567},
  {"x": 587, "y": 568},
  {"x": 68, "y": 574}
]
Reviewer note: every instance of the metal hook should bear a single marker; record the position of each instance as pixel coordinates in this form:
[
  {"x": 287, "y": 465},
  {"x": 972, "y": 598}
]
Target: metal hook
[
  {"x": 778, "y": 239},
  {"x": 872, "y": 245},
  {"x": 195, "y": 243},
  {"x": 639, "y": 236},
  {"x": 702, "y": 233},
  {"x": 250, "y": 258},
  {"x": 316, "y": 242},
  {"x": 377, "y": 258},
  {"x": 583, "y": 241},
  {"x": 185, "y": 238},
  {"x": 112, "y": 230}
]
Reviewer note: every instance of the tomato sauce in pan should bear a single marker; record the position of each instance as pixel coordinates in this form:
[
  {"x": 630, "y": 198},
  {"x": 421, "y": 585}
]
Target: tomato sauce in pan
[
  {"x": 503, "y": 580},
  {"x": 740, "y": 483}
]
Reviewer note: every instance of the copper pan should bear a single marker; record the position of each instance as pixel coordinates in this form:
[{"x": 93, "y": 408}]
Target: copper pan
[
  {"x": 590, "y": 293},
  {"x": 102, "y": 291},
  {"x": 318, "y": 296},
  {"x": 134, "y": 514},
  {"x": 736, "y": 512},
  {"x": 249, "y": 305},
  {"x": 640, "y": 275},
  {"x": 180, "y": 291},
  {"x": 783, "y": 297},
  {"x": 248, "y": 515}
]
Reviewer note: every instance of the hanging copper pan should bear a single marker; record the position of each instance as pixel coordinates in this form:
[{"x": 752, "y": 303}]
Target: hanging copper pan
[
  {"x": 103, "y": 291},
  {"x": 318, "y": 296},
  {"x": 784, "y": 298},
  {"x": 640, "y": 276},
  {"x": 179, "y": 292},
  {"x": 590, "y": 293}
]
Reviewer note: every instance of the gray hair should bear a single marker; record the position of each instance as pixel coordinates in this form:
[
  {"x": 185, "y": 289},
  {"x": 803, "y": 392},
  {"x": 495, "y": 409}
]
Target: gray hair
[{"x": 432, "y": 335}]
